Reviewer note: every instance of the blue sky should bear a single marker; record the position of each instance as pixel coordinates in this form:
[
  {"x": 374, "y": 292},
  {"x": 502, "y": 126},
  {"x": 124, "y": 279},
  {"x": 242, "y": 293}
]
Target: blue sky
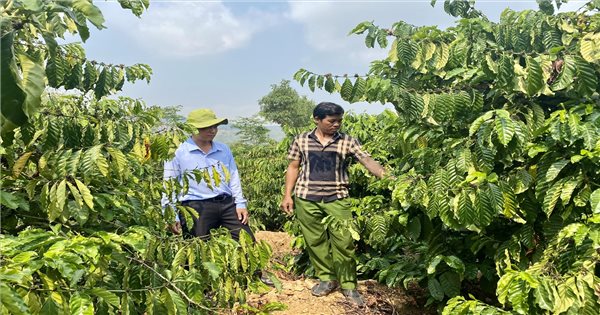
[{"x": 225, "y": 55}]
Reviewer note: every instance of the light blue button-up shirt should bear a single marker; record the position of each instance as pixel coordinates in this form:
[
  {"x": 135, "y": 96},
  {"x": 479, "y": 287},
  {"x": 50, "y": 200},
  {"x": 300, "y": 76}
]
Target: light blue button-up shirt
[{"x": 189, "y": 157}]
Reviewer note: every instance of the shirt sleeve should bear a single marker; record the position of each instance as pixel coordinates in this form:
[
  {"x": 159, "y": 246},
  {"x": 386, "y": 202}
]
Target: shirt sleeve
[
  {"x": 235, "y": 183},
  {"x": 356, "y": 149},
  {"x": 171, "y": 170},
  {"x": 294, "y": 152}
]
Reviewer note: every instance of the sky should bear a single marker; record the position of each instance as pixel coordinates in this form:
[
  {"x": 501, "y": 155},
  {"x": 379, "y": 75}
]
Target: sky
[{"x": 226, "y": 55}]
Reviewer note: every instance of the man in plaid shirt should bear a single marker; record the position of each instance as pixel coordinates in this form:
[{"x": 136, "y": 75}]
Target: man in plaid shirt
[{"x": 318, "y": 178}]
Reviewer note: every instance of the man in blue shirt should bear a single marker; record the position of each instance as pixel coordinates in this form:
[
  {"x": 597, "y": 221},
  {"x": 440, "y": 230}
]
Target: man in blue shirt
[
  {"x": 217, "y": 205},
  {"x": 222, "y": 205}
]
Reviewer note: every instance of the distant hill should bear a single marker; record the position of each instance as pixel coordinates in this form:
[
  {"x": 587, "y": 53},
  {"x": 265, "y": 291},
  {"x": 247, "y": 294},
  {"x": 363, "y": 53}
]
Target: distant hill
[{"x": 227, "y": 134}]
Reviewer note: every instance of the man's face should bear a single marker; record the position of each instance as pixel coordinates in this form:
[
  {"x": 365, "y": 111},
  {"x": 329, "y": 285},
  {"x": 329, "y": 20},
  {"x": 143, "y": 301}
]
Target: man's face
[
  {"x": 330, "y": 124},
  {"x": 208, "y": 133}
]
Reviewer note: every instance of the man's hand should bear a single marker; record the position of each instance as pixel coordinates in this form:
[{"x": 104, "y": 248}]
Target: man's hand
[
  {"x": 242, "y": 214},
  {"x": 175, "y": 228},
  {"x": 287, "y": 205}
]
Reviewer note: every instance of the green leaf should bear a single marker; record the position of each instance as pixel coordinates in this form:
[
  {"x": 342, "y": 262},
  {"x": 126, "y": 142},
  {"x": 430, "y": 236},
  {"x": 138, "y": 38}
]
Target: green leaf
[
  {"x": 12, "y": 96},
  {"x": 105, "y": 295},
  {"x": 12, "y": 301},
  {"x": 90, "y": 11},
  {"x": 90, "y": 76},
  {"x": 479, "y": 121},
  {"x": 450, "y": 283},
  {"x": 587, "y": 81},
  {"x": 216, "y": 176},
  {"x": 554, "y": 170},
  {"x": 382, "y": 38},
  {"x": 566, "y": 76},
  {"x": 85, "y": 194},
  {"x": 226, "y": 173},
  {"x": 484, "y": 207},
  {"x": 434, "y": 263},
  {"x": 544, "y": 296},
  {"x": 455, "y": 263},
  {"x": 506, "y": 73},
  {"x": 464, "y": 209},
  {"x": 213, "y": 270},
  {"x": 20, "y": 164},
  {"x": 546, "y": 6},
  {"x": 180, "y": 304},
  {"x": 33, "y": 82},
  {"x": 406, "y": 51},
  {"x": 595, "y": 201},
  {"x": 102, "y": 165},
  {"x": 299, "y": 74},
  {"x": 361, "y": 27},
  {"x": 60, "y": 198},
  {"x": 371, "y": 37},
  {"x": 102, "y": 86},
  {"x": 81, "y": 304},
  {"x": 568, "y": 189},
  {"x": 414, "y": 228},
  {"x": 551, "y": 197},
  {"x": 535, "y": 80},
  {"x": 76, "y": 194},
  {"x": 442, "y": 56},
  {"x": 435, "y": 289},
  {"x": 329, "y": 84},
  {"x": 346, "y": 91},
  {"x": 320, "y": 81},
  {"x": 118, "y": 158},
  {"x": 358, "y": 90},
  {"x": 590, "y": 47},
  {"x": 312, "y": 82},
  {"x": 136, "y": 6},
  {"x": 505, "y": 129}
]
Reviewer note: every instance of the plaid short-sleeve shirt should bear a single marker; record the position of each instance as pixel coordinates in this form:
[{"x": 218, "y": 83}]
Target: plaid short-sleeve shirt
[{"x": 324, "y": 167}]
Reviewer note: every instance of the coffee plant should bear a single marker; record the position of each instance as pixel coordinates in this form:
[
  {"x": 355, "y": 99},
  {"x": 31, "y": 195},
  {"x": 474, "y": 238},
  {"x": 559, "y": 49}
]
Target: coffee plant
[
  {"x": 496, "y": 152},
  {"x": 82, "y": 225},
  {"x": 81, "y": 181},
  {"x": 262, "y": 170},
  {"x": 31, "y": 58}
]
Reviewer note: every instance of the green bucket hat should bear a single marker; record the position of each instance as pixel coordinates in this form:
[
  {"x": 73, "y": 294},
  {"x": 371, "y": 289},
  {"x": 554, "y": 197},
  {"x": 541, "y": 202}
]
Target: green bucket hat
[{"x": 202, "y": 118}]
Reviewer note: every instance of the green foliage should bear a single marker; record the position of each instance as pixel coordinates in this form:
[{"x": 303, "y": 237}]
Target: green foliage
[
  {"x": 496, "y": 153},
  {"x": 285, "y": 107},
  {"x": 32, "y": 59},
  {"x": 262, "y": 171},
  {"x": 252, "y": 131},
  {"x": 82, "y": 225}
]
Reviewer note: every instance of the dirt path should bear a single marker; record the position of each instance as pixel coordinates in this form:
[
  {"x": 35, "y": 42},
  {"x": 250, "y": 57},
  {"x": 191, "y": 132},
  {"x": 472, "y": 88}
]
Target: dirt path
[{"x": 296, "y": 294}]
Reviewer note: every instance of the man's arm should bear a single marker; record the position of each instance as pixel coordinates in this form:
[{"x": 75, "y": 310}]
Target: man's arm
[
  {"x": 290, "y": 181},
  {"x": 373, "y": 166}
]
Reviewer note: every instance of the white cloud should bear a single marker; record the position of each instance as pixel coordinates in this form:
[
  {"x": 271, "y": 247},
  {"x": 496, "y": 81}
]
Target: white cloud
[
  {"x": 326, "y": 24},
  {"x": 187, "y": 29}
]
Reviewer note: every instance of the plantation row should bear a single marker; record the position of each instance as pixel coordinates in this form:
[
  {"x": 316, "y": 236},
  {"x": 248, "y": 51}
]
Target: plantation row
[{"x": 494, "y": 145}]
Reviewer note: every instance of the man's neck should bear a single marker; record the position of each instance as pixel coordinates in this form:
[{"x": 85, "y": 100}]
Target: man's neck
[
  {"x": 322, "y": 136},
  {"x": 204, "y": 145}
]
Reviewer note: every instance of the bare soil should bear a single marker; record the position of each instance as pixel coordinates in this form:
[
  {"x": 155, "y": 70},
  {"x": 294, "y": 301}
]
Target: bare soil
[{"x": 295, "y": 292}]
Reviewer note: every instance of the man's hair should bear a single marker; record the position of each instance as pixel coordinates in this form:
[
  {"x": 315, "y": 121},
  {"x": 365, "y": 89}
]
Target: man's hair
[{"x": 324, "y": 109}]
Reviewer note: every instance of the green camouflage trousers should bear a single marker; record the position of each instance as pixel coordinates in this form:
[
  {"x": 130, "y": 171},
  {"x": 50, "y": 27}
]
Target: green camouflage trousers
[{"x": 330, "y": 248}]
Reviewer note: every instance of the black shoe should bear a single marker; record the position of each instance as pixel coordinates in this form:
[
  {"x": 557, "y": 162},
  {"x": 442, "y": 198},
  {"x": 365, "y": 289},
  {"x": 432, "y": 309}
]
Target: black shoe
[
  {"x": 353, "y": 296},
  {"x": 264, "y": 278},
  {"x": 324, "y": 287}
]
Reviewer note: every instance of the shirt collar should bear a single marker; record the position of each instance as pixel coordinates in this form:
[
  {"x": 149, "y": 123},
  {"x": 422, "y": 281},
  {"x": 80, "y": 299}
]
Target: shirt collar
[
  {"x": 336, "y": 135},
  {"x": 190, "y": 145}
]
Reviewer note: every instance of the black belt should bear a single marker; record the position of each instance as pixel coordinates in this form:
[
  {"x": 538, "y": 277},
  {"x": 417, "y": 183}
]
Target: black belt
[{"x": 217, "y": 198}]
